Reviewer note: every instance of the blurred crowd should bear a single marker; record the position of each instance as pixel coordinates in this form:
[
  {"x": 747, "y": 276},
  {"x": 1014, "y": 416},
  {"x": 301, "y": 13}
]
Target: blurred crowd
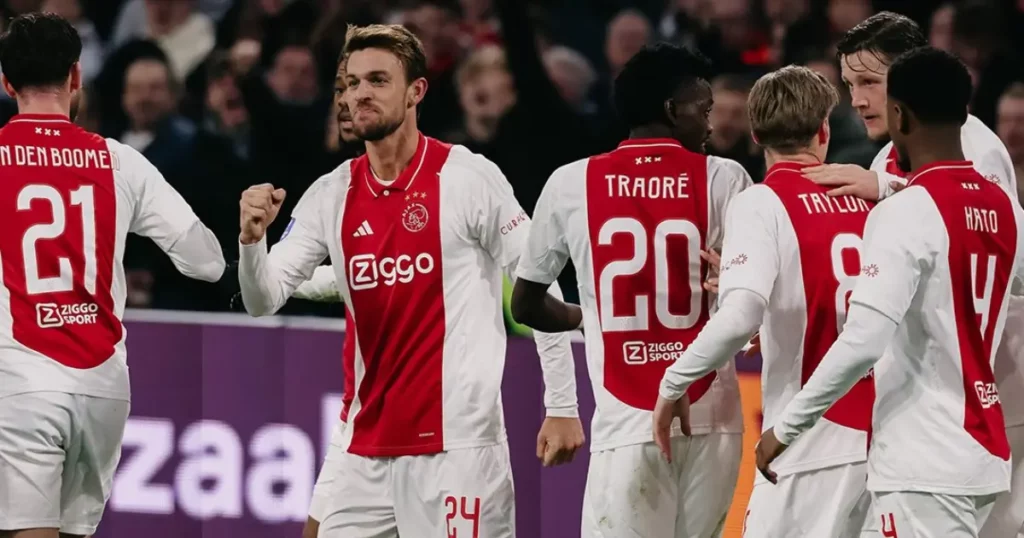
[{"x": 223, "y": 94}]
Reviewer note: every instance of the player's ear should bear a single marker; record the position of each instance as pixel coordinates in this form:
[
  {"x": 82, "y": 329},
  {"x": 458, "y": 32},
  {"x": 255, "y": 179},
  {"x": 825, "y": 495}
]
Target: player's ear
[
  {"x": 670, "y": 111},
  {"x": 417, "y": 90},
  {"x": 8, "y": 88},
  {"x": 824, "y": 133},
  {"x": 76, "y": 77},
  {"x": 902, "y": 118}
]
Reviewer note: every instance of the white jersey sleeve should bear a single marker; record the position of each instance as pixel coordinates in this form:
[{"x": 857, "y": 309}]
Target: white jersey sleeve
[
  {"x": 546, "y": 251},
  {"x": 989, "y": 155},
  {"x": 896, "y": 253},
  {"x": 161, "y": 214},
  {"x": 323, "y": 287},
  {"x": 269, "y": 279},
  {"x": 750, "y": 255},
  {"x": 750, "y": 265},
  {"x": 726, "y": 179},
  {"x": 865, "y": 336},
  {"x": 502, "y": 228}
]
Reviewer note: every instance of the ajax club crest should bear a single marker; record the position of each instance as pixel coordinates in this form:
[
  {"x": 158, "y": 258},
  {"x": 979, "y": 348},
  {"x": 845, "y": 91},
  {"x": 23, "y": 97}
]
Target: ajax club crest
[{"x": 415, "y": 217}]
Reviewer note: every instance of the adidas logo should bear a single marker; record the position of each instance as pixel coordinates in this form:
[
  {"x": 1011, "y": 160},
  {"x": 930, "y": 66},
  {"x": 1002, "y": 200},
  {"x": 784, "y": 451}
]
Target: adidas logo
[{"x": 364, "y": 230}]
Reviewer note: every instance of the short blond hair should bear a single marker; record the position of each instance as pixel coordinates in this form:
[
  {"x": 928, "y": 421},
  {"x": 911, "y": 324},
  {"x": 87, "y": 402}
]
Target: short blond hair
[
  {"x": 394, "y": 38},
  {"x": 787, "y": 108},
  {"x": 484, "y": 59}
]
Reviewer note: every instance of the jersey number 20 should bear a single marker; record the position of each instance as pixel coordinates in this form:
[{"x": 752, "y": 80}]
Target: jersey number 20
[{"x": 663, "y": 274}]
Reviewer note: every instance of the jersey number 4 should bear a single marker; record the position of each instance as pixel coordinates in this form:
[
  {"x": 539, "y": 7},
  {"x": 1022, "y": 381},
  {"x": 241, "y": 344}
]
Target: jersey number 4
[
  {"x": 663, "y": 274},
  {"x": 81, "y": 197}
]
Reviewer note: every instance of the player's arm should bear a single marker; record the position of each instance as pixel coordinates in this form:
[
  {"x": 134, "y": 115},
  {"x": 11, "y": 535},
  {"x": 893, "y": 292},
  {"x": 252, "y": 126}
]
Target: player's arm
[
  {"x": 897, "y": 251},
  {"x": 544, "y": 256},
  {"x": 874, "y": 184},
  {"x": 503, "y": 229},
  {"x": 268, "y": 279},
  {"x": 321, "y": 288},
  {"x": 750, "y": 266},
  {"x": 161, "y": 214}
]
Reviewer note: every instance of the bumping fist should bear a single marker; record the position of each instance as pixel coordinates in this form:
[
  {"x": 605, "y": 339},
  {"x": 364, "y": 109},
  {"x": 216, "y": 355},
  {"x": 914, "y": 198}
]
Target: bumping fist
[{"x": 260, "y": 205}]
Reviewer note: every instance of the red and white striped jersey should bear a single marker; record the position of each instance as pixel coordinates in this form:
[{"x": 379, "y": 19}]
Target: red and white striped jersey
[
  {"x": 799, "y": 249},
  {"x": 420, "y": 264},
  {"x": 633, "y": 221},
  {"x": 939, "y": 259},
  {"x": 68, "y": 199},
  {"x": 991, "y": 159}
]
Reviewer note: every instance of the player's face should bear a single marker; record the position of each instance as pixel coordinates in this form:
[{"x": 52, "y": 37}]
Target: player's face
[
  {"x": 864, "y": 74},
  {"x": 346, "y": 131},
  {"x": 378, "y": 95},
  {"x": 692, "y": 123}
]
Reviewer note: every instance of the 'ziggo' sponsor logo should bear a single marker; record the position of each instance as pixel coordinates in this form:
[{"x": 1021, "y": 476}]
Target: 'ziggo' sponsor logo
[
  {"x": 365, "y": 271},
  {"x": 644, "y": 352}
]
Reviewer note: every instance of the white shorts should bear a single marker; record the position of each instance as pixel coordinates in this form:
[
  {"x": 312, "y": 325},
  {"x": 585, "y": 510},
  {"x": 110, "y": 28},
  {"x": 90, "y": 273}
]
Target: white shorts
[
  {"x": 926, "y": 515},
  {"x": 58, "y": 454},
  {"x": 1007, "y": 517},
  {"x": 465, "y": 492},
  {"x": 325, "y": 480},
  {"x": 832, "y": 502},
  {"x": 633, "y": 492}
]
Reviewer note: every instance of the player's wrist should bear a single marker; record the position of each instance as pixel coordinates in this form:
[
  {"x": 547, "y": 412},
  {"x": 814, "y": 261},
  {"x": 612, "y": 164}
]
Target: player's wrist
[
  {"x": 571, "y": 411},
  {"x": 248, "y": 239}
]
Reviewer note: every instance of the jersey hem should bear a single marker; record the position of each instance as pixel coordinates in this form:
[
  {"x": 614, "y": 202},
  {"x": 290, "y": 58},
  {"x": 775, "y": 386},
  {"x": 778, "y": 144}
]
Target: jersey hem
[
  {"x": 109, "y": 395},
  {"x": 816, "y": 465},
  {"x": 420, "y": 450},
  {"x": 876, "y": 486},
  {"x": 639, "y": 439}
]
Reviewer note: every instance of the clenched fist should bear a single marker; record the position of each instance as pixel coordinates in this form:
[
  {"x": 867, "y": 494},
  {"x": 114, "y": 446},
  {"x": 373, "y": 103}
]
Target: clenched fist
[{"x": 260, "y": 205}]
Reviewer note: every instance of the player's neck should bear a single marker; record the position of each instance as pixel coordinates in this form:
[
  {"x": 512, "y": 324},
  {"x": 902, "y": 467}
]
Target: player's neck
[
  {"x": 44, "y": 103},
  {"x": 650, "y": 131},
  {"x": 771, "y": 158},
  {"x": 937, "y": 147},
  {"x": 391, "y": 154}
]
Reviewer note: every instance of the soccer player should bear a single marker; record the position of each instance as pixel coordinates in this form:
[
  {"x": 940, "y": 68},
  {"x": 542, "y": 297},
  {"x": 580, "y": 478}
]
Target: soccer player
[
  {"x": 865, "y": 53},
  {"x": 68, "y": 199},
  {"x": 791, "y": 256},
  {"x": 939, "y": 260},
  {"x": 419, "y": 233},
  {"x": 634, "y": 222}
]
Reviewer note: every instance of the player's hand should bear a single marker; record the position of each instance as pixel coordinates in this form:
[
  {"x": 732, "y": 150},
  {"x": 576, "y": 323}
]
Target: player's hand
[
  {"x": 848, "y": 179},
  {"x": 715, "y": 263},
  {"x": 664, "y": 412},
  {"x": 767, "y": 450},
  {"x": 259, "y": 207},
  {"x": 755, "y": 345},
  {"x": 559, "y": 439}
]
